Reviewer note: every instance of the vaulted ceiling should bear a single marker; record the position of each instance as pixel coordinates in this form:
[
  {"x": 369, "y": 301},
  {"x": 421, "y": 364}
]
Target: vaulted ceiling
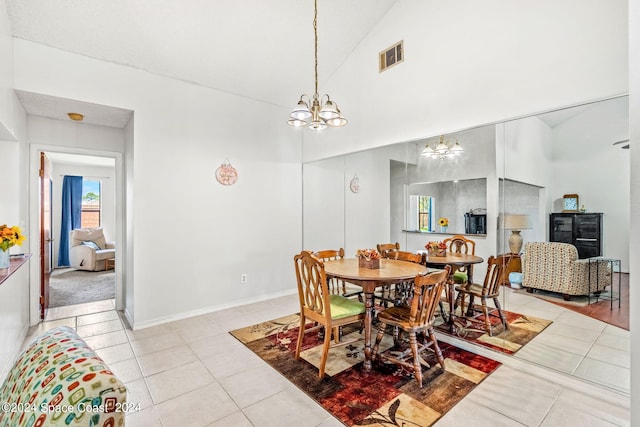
[{"x": 259, "y": 49}]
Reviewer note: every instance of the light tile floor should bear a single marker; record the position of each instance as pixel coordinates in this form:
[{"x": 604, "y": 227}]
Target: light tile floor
[{"x": 192, "y": 372}]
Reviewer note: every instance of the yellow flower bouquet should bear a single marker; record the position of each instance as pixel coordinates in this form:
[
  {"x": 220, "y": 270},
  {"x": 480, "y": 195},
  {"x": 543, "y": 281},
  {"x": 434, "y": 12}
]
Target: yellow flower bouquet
[
  {"x": 10, "y": 236},
  {"x": 443, "y": 222}
]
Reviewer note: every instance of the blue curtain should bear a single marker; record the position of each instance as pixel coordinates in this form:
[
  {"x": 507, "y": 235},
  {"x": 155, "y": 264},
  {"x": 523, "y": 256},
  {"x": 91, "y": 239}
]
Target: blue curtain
[{"x": 71, "y": 215}]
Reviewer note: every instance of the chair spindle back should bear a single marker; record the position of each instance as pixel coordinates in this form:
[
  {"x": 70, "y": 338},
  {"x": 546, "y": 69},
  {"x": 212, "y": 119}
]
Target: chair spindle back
[
  {"x": 427, "y": 291},
  {"x": 312, "y": 286},
  {"x": 383, "y": 248},
  {"x": 495, "y": 267},
  {"x": 404, "y": 256}
]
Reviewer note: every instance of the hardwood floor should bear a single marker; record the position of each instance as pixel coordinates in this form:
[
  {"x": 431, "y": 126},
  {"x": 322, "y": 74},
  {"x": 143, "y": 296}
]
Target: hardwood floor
[{"x": 602, "y": 309}]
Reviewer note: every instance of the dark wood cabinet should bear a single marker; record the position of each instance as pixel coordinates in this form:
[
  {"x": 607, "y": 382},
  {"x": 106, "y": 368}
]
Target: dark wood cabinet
[
  {"x": 583, "y": 230},
  {"x": 514, "y": 264}
]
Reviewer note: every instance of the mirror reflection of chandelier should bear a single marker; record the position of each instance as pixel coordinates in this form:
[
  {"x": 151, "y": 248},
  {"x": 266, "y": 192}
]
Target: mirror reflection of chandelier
[
  {"x": 317, "y": 112},
  {"x": 445, "y": 149}
]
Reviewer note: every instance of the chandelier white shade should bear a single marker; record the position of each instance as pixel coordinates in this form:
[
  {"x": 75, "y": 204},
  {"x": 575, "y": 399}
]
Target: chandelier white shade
[
  {"x": 317, "y": 112},
  {"x": 444, "y": 149}
]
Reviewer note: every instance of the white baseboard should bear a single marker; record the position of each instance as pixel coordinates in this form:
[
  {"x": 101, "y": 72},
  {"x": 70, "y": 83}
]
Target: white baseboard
[{"x": 204, "y": 310}]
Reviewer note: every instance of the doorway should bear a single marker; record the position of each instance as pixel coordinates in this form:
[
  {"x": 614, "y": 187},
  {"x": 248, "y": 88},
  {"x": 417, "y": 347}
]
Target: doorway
[
  {"x": 102, "y": 132},
  {"x": 70, "y": 283},
  {"x": 74, "y": 288}
]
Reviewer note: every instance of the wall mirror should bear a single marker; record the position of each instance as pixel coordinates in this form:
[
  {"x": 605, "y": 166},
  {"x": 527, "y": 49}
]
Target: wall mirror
[
  {"x": 515, "y": 167},
  {"x": 462, "y": 206}
]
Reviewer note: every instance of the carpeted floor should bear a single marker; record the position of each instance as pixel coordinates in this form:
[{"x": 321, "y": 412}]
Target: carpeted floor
[
  {"x": 385, "y": 396},
  {"x": 68, "y": 286}
]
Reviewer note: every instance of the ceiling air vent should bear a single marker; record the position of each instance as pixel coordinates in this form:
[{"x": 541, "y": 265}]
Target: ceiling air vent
[{"x": 391, "y": 56}]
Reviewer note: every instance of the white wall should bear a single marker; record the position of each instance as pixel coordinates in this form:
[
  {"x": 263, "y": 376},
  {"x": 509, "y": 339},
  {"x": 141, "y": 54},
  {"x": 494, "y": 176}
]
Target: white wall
[
  {"x": 124, "y": 223},
  {"x": 193, "y": 237},
  {"x": 368, "y": 213},
  {"x": 334, "y": 216},
  {"x": 526, "y": 147},
  {"x": 107, "y": 177},
  {"x": 524, "y": 150},
  {"x": 469, "y": 63},
  {"x": 634, "y": 260},
  {"x": 14, "y": 292},
  {"x": 585, "y": 162},
  {"x": 323, "y": 205},
  {"x": 14, "y": 306},
  {"x": 69, "y": 134},
  {"x": 6, "y": 76}
]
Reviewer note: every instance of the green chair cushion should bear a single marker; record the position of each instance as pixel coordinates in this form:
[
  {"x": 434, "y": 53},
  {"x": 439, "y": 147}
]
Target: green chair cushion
[
  {"x": 344, "y": 307},
  {"x": 460, "y": 277}
]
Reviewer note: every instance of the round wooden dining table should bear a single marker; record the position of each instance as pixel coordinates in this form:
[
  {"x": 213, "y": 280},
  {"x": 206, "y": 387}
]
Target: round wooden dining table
[
  {"x": 390, "y": 271},
  {"x": 455, "y": 260}
]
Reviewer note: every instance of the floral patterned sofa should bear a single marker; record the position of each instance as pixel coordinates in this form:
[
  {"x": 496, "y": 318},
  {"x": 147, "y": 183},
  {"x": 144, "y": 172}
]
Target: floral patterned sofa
[
  {"x": 59, "y": 381},
  {"x": 555, "y": 267}
]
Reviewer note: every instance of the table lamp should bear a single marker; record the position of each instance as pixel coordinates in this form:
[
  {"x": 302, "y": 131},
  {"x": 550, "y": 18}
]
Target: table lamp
[{"x": 515, "y": 223}]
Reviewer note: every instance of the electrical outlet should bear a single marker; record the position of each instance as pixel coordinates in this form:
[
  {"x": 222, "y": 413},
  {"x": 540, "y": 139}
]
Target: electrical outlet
[{"x": 243, "y": 278}]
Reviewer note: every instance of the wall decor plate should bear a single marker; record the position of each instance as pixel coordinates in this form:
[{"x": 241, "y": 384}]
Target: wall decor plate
[
  {"x": 354, "y": 185},
  {"x": 226, "y": 174}
]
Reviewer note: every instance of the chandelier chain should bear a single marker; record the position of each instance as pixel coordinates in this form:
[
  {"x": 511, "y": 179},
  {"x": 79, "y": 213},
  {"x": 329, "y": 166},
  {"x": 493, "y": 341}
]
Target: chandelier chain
[
  {"x": 316, "y": 111},
  {"x": 315, "y": 32}
]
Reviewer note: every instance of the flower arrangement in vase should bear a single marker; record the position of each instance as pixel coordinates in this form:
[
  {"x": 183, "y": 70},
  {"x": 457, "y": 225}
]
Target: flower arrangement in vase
[
  {"x": 436, "y": 248},
  {"x": 443, "y": 223},
  {"x": 368, "y": 258},
  {"x": 9, "y": 236}
]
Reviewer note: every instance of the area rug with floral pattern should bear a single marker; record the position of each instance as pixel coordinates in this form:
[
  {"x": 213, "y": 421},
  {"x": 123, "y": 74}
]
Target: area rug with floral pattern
[
  {"x": 385, "y": 396},
  {"x": 521, "y": 329}
]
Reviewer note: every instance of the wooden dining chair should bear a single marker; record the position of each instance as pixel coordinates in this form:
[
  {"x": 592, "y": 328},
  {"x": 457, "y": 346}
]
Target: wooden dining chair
[
  {"x": 489, "y": 289},
  {"x": 318, "y": 305},
  {"x": 383, "y": 295},
  {"x": 461, "y": 245},
  {"x": 401, "y": 292},
  {"x": 337, "y": 286},
  {"x": 416, "y": 318},
  {"x": 383, "y": 248}
]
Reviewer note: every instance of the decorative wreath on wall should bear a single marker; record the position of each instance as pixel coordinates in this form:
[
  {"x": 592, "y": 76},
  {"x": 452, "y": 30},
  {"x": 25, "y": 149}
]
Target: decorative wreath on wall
[{"x": 226, "y": 174}]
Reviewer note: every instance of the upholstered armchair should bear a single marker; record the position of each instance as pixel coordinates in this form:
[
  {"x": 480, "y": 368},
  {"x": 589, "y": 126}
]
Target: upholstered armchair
[
  {"x": 555, "y": 267},
  {"x": 89, "y": 250}
]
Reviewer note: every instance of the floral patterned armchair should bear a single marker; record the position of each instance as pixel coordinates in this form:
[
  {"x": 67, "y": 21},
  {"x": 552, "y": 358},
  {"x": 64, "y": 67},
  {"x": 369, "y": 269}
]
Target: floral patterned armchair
[{"x": 555, "y": 267}]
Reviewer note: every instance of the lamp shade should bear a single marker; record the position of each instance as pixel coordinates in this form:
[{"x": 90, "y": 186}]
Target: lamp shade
[
  {"x": 329, "y": 111},
  {"x": 516, "y": 222},
  {"x": 301, "y": 112}
]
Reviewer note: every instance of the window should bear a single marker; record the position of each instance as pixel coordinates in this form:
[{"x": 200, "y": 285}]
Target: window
[
  {"x": 425, "y": 209},
  {"x": 420, "y": 213},
  {"x": 91, "y": 204}
]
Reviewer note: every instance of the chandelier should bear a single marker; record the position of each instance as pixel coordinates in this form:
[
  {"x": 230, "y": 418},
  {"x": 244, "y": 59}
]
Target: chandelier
[
  {"x": 443, "y": 150},
  {"x": 317, "y": 112}
]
